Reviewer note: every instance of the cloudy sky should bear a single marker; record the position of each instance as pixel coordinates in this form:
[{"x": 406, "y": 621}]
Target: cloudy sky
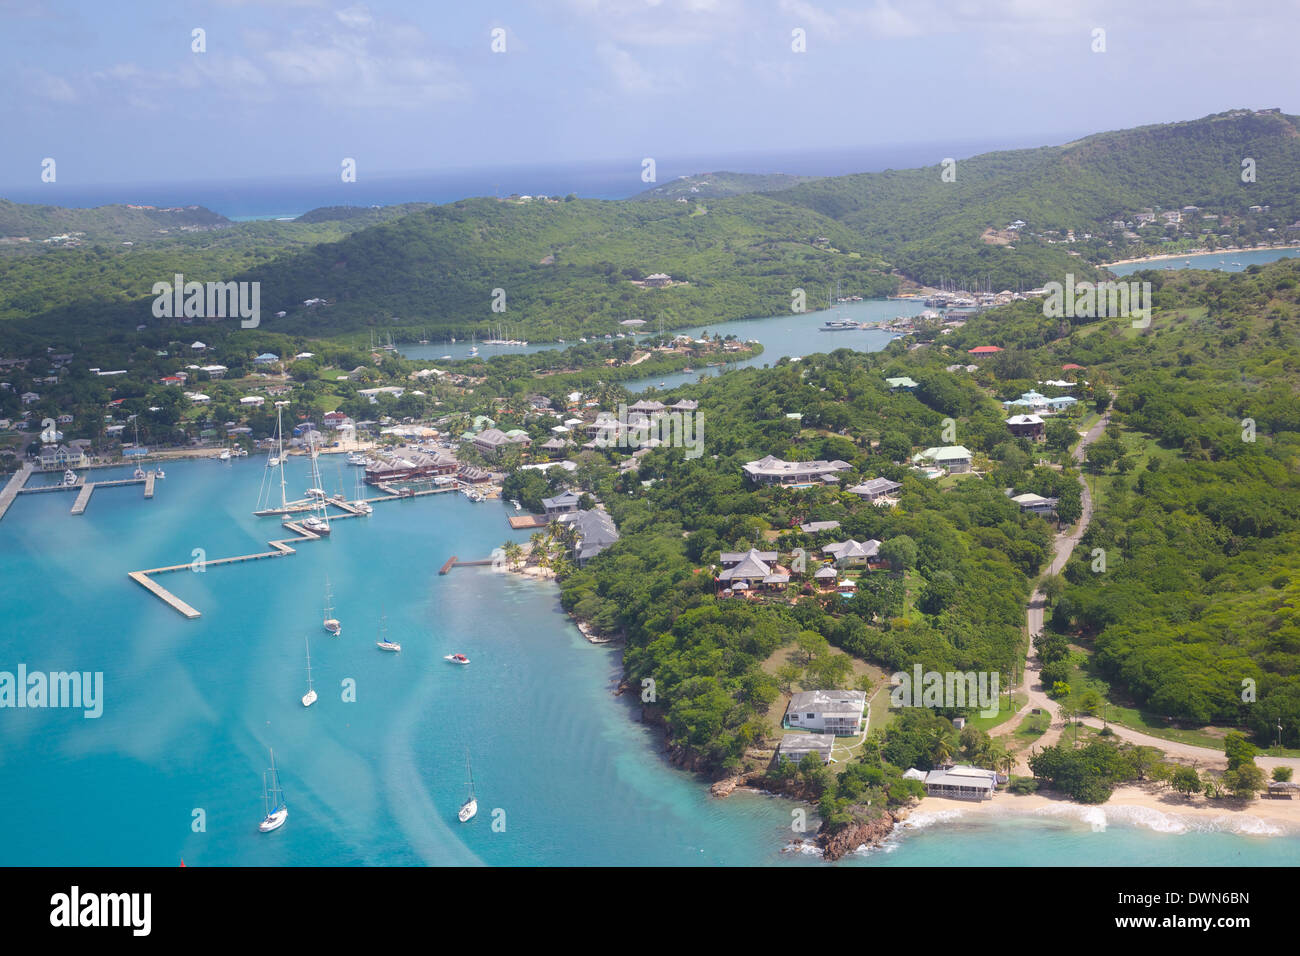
[{"x": 116, "y": 93}]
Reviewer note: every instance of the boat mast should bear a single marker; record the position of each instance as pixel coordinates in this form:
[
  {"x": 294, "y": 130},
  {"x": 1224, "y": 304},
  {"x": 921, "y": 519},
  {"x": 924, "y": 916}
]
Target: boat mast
[
  {"x": 279, "y": 438},
  {"x": 308, "y": 642}
]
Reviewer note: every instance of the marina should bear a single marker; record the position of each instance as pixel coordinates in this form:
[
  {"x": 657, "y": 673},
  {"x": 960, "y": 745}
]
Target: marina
[{"x": 17, "y": 485}]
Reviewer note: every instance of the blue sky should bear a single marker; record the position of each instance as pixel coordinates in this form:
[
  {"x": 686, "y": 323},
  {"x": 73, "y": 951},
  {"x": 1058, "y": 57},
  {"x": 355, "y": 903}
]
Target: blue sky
[{"x": 113, "y": 91}]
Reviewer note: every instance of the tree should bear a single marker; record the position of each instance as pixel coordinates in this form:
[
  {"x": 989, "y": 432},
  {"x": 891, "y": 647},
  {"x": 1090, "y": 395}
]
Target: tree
[
  {"x": 812, "y": 645},
  {"x": 1238, "y": 750},
  {"x": 1282, "y": 774},
  {"x": 831, "y": 670},
  {"x": 900, "y": 552},
  {"x": 1052, "y": 585},
  {"x": 1186, "y": 781},
  {"x": 787, "y": 675},
  {"x": 1245, "y": 781}
]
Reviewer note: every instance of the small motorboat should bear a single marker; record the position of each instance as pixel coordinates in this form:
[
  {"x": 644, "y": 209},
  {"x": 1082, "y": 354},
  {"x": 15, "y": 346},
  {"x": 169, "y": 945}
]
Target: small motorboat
[
  {"x": 225, "y": 454},
  {"x": 456, "y": 658},
  {"x": 138, "y": 474},
  {"x": 69, "y": 477},
  {"x": 159, "y": 474}
]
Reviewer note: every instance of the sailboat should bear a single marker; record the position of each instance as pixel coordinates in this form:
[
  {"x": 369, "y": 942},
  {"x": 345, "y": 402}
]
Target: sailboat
[
  {"x": 384, "y": 644},
  {"x": 273, "y": 797},
  {"x": 470, "y": 806},
  {"x": 309, "y": 698},
  {"x": 318, "y": 524},
  {"x": 331, "y": 623}
]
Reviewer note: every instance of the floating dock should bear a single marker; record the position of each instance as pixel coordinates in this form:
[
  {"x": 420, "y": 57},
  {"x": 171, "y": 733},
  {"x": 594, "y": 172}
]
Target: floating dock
[
  {"x": 282, "y": 547},
  {"x": 17, "y": 485}
]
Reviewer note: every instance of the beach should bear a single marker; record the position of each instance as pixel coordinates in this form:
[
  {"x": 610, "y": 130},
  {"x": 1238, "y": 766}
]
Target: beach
[
  {"x": 1160, "y": 810},
  {"x": 1193, "y": 254}
]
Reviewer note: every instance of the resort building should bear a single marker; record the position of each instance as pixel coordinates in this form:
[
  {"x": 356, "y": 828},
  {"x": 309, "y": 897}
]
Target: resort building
[
  {"x": 837, "y": 712},
  {"x": 961, "y": 783},
  {"x": 794, "y": 747},
  {"x": 1026, "y": 426},
  {"x": 954, "y": 459},
  {"x": 1036, "y": 504},
  {"x": 773, "y": 471},
  {"x": 876, "y": 489},
  {"x": 562, "y": 504},
  {"x": 812, "y": 527},
  {"x": 490, "y": 441},
  {"x": 746, "y": 570},
  {"x": 595, "y": 532},
  {"x": 852, "y": 553}
]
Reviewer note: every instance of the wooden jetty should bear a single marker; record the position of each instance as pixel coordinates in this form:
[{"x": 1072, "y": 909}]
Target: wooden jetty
[
  {"x": 83, "y": 498},
  {"x": 451, "y": 563},
  {"x": 528, "y": 521}
]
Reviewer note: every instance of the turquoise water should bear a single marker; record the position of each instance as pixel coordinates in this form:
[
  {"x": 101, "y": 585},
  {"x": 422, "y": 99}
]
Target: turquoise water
[
  {"x": 782, "y": 335},
  {"x": 1223, "y": 261},
  {"x": 192, "y": 706}
]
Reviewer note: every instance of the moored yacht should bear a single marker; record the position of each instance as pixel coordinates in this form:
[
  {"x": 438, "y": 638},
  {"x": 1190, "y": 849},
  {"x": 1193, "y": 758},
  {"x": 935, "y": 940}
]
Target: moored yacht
[
  {"x": 273, "y": 796},
  {"x": 384, "y": 644}
]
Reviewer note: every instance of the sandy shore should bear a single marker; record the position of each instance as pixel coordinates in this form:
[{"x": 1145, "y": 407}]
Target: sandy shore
[
  {"x": 1161, "y": 811},
  {"x": 1189, "y": 255}
]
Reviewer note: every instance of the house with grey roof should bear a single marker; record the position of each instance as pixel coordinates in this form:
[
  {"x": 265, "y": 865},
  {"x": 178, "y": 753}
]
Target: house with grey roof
[
  {"x": 848, "y": 554},
  {"x": 490, "y": 441},
  {"x": 562, "y": 503},
  {"x": 745, "y": 570},
  {"x": 794, "y": 747},
  {"x": 875, "y": 489},
  {"x": 812, "y": 527},
  {"x": 836, "y": 712},
  {"x": 902, "y": 383},
  {"x": 771, "y": 470},
  {"x": 961, "y": 783},
  {"x": 1035, "y": 504},
  {"x": 595, "y": 532}
]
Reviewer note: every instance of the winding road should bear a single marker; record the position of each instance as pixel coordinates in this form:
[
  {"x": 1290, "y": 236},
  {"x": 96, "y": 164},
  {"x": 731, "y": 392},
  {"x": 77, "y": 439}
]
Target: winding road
[{"x": 1062, "y": 548}]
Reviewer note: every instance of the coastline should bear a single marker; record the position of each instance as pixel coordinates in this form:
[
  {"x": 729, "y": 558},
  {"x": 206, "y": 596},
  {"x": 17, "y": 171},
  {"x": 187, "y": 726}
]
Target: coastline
[
  {"x": 1161, "y": 811},
  {"x": 1189, "y": 255}
]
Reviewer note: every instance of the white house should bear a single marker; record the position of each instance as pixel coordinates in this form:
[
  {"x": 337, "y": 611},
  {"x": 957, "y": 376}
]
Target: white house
[
  {"x": 955, "y": 459},
  {"x": 837, "y": 712}
]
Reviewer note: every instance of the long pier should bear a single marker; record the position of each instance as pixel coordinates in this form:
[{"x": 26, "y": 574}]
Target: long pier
[
  {"x": 17, "y": 485},
  {"x": 281, "y": 547},
  {"x": 13, "y": 486}
]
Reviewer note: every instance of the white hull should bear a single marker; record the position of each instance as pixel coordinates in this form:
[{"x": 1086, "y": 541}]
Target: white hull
[
  {"x": 309, "y": 698},
  {"x": 274, "y": 821},
  {"x": 333, "y": 627},
  {"x": 468, "y": 810},
  {"x": 453, "y": 659},
  {"x": 388, "y": 646}
]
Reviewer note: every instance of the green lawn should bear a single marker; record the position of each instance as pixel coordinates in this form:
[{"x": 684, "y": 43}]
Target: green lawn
[{"x": 1008, "y": 707}]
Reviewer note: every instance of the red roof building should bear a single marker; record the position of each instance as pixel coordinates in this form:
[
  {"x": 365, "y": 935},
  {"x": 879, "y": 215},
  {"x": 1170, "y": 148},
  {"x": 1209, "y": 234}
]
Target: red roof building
[{"x": 984, "y": 350}]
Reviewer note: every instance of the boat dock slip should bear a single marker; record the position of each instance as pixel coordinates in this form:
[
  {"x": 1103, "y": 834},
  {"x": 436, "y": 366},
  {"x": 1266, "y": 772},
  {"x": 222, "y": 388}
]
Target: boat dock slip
[
  {"x": 17, "y": 485},
  {"x": 83, "y": 498},
  {"x": 281, "y": 547},
  {"x": 13, "y": 486},
  {"x": 528, "y": 521}
]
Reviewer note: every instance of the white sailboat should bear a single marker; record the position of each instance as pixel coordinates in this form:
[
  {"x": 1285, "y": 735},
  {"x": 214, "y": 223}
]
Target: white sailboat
[
  {"x": 384, "y": 644},
  {"x": 275, "y": 462},
  {"x": 360, "y": 503},
  {"x": 273, "y": 796},
  {"x": 330, "y": 622},
  {"x": 470, "y": 806},
  {"x": 309, "y": 698},
  {"x": 319, "y": 522}
]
